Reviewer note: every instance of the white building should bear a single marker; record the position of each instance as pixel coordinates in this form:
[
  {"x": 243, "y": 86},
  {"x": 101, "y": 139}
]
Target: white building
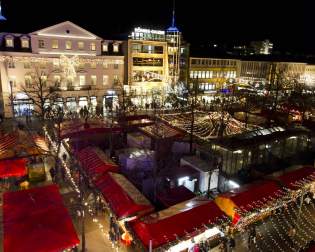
[{"x": 80, "y": 67}]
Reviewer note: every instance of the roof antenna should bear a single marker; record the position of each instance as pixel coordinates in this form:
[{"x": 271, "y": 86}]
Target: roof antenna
[
  {"x": 2, "y": 18},
  {"x": 173, "y": 19}
]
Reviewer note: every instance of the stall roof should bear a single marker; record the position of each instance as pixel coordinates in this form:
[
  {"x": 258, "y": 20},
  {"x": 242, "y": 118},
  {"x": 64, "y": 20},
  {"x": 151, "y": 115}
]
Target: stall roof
[
  {"x": 245, "y": 196},
  {"x": 179, "y": 220},
  {"x": 161, "y": 131},
  {"x": 19, "y": 144},
  {"x": 36, "y": 220},
  {"x": 95, "y": 162},
  {"x": 122, "y": 196},
  {"x": 13, "y": 168},
  {"x": 78, "y": 128},
  {"x": 175, "y": 195},
  {"x": 291, "y": 179}
]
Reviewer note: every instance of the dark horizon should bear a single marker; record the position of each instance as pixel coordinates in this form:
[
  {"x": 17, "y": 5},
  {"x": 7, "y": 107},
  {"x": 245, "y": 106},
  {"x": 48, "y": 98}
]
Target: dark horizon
[{"x": 286, "y": 25}]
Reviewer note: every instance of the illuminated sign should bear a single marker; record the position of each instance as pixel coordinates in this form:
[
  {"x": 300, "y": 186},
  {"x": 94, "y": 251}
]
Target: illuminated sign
[{"x": 138, "y": 29}]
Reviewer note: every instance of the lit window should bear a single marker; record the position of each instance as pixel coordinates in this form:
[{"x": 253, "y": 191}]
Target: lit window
[
  {"x": 28, "y": 81},
  {"x": 9, "y": 42},
  {"x": 93, "y": 47},
  {"x": 105, "y": 48},
  {"x": 115, "y": 66},
  {"x": 57, "y": 79},
  {"x": 54, "y": 44},
  {"x": 105, "y": 79},
  {"x": 82, "y": 80},
  {"x": 41, "y": 43},
  {"x": 81, "y": 45},
  {"x": 93, "y": 65},
  {"x": 93, "y": 79},
  {"x": 56, "y": 63},
  {"x": 116, "y": 79},
  {"x": 25, "y": 43},
  {"x": 68, "y": 45},
  {"x": 105, "y": 65},
  {"x": 27, "y": 65},
  {"x": 116, "y": 48}
]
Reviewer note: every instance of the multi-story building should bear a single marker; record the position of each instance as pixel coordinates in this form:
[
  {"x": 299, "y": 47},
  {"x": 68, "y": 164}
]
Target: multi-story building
[
  {"x": 81, "y": 68},
  {"x": 157, "y": 61},
  {"x": 266, "y": 71},
  {"x": 309, "y": 75},
  {"x": 261, "y": 47},
  {"x": 213, "y": 74}
]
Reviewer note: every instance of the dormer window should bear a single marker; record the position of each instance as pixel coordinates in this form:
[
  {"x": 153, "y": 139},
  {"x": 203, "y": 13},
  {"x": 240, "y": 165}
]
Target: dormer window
[
  {"x": 25, "y": 43},
  {"x": 9, "y": 42},
  {"x": 116, "y": 47},
  {"x": 105, "y": 47},
  {"x": 68, "y": 45}
]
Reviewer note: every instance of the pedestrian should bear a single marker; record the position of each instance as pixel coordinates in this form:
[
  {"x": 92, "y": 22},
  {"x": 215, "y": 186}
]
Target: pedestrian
[
  {"x": 232, "y": 243},
  {"x": 291, "y": 235}
]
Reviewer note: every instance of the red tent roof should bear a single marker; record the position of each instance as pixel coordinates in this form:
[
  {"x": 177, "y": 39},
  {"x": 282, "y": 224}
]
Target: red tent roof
[
  {"x": 12, "y": 168},
  {"x": 289, "y": 179},
  {"x": 123, "y": 198},
  {"x": 95, "y": 162},
  {"x": 78, "y": 128},
  {"x": 163, "y": 231},
  {"x": 175, "y": 195},
  {"x": 36, "y": 220},
  {"x": 254, "y": 192}
]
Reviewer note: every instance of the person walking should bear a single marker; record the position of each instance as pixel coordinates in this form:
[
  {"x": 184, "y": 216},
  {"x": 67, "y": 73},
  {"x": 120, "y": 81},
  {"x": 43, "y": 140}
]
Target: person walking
[{"x": 291, "y": 235}]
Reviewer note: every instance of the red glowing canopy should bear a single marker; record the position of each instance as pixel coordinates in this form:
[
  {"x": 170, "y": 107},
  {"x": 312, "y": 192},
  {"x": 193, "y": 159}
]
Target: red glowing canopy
[
  {"x": 95, "y": 162},
  {"x": 259, "y": 191},
  {"x": 291, "y": 179},
  {"x": 12, "y": 168},
  {"x": 162, "y": 230},
  {"x": 36, "y": 220},
  {"x": 123, "y": 198}
]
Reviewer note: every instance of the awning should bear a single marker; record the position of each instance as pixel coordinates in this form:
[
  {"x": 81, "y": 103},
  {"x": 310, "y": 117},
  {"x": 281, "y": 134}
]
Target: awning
[
  {"x": 36, "y": 220},
  {"x": 78, "y": 128},
  {"x": 245, "y": 197},
  {"x": 162, "y": 228},
  {"x": 122, "y": 196},
  {"x": 95, "y": 162},
  {"x": 20, "y": 144},
  {"x": 292, "y": 179},
  {"x": 13, "y": 168}
]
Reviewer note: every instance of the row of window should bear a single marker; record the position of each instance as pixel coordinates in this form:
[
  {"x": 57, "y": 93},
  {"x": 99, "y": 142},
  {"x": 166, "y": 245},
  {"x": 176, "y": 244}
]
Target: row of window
[
  {"x": 25, "y": 43},
  {"x": 213, "y": 62},
  {"x": 206, "y": 86},
  {"x": 212, "y": 74},
  {"x": 56, "y": 64},
  {"x": 57, "y": 80},
  {"x": 140, "y": 48}
]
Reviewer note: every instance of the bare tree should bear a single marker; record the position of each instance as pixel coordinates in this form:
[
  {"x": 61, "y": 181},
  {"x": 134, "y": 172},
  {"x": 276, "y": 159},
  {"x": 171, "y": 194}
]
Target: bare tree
[{"x": 39, "y": 89}]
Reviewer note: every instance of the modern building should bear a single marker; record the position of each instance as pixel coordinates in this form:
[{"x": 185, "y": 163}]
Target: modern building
[
  {"x": 261, "y": 47},
  {"x": 156, "y": 62},
  {"x": 67, "y": 61},
  {"x": 213, "y": 74}
]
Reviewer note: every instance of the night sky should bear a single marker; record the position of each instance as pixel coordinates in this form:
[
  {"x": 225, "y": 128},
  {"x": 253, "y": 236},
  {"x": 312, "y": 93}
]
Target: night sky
[{"x": 289, "y": 24}]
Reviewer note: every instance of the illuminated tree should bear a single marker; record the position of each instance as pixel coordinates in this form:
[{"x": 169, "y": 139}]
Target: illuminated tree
[{"x": 40, "y": 89}]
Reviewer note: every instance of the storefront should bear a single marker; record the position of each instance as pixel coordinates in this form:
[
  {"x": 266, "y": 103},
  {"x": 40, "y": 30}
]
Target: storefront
[
  {"x": 71, "y": 104},
  {"x": 22, "y": 105},
  {"x": 83, "y": 102},
  {"x": 93, "y": 102},
  {"x": 110, "y": 101},
  {"x": 58, "y": 103}
]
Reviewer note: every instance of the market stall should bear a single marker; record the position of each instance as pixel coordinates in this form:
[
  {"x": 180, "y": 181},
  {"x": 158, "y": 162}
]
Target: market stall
[
  {"x": 179, "y": 227},
  {"x": 36, "y": 220},
  {"x": 241, "y": 204},
  {"x": 122, "y": 196},
  {"x": 94, "y": 162}
]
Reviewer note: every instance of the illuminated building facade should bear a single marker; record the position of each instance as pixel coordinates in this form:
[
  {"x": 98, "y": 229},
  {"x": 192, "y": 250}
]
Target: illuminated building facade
[
  {"x": 82, "y": 68},
  {"x": 157, "y": 62},
  {"x": 309, "y": 75},
  {"x": 213, "y": 74}
]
